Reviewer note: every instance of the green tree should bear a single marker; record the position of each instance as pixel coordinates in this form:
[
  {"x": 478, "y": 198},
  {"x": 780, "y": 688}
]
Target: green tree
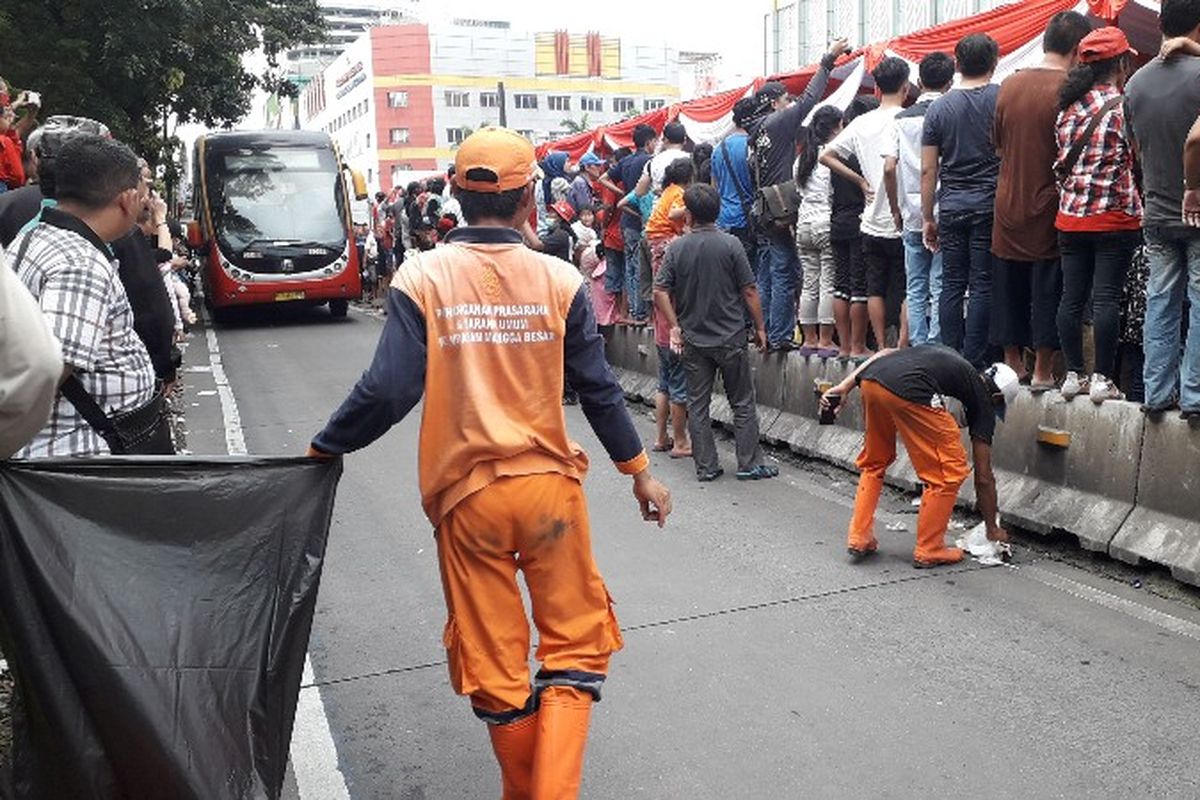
[
  {"x": 572, "y": 126},
  {"x": 135, "y": 64}
]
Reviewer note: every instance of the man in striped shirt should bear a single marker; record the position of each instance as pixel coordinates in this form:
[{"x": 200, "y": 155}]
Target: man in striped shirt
[{"x": 66, "y": 264}]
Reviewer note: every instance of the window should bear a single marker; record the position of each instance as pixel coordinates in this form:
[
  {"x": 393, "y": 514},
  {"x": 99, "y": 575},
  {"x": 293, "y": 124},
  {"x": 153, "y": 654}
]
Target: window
[
  {"x": 526, "y": 101},
  {"x": 397, "y": 99},
  {"x": 528, "y": 134},
  {"x": 399, "y": 135},
  {"x": 368, "y": 141},
  {"x": 623, "y": 105},
  {"x": 370, "y": 176},
  {"x": 651, "y": 105},
  {"x": 489, "y": 100},
  {"x": 559, "y": 103},
  {"x": 591, "y": 103},
  {"x": 454, "y": 135},
  {"x": 458, "y": 99}
]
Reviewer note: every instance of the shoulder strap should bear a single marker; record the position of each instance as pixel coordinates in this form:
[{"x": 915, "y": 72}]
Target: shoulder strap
[
  {"x": 1081, "y": 142},
  {"x": 72, "y": 389}
]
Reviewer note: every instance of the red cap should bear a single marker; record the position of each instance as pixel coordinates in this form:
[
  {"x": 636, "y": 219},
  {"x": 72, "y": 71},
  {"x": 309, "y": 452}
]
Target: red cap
[
  {"x": 564, "y": 210},
  {"x": 1102, "y": 44}
]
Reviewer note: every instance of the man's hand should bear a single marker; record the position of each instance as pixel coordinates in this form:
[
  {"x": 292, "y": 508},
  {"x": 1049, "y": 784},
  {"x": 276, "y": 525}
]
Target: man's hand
[
  {"x": 868, "y": 191},
  {"x": 1191, "y": 208},
  {"x": 676, "y": 340},
  {"x": 995, "y": 533},
  {"x": 760, "y": 340},
  {"x": 653, "y": 498},
  {"x": 1177, "y": 46},
  {"x": 930, "y": 236},
  {"x": 839, "y": 47},
  {"x": 827, "y": 405},
  {"x": 898, "y": 221},
  {"x": 158, "y": 208}
]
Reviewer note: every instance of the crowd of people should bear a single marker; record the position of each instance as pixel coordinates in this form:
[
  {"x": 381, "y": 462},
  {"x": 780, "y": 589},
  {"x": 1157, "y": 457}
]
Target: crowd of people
[
  {"x": 87, "y": 238},
  {"x": 1046, "y": 220}
]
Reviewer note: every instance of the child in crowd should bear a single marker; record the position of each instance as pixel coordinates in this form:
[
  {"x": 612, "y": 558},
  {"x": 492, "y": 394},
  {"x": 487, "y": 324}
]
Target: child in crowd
[
  {"x": 584, "y": 229},
  {"x": 663, "y": 227}
]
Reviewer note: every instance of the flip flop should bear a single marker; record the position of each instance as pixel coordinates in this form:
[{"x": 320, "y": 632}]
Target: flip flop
[
  {"x": 663, "y": 448},
  {"x": 758, "y": 473},
  {"x": 1042, "y": 388},
  {"x": 676, "y": 455}
]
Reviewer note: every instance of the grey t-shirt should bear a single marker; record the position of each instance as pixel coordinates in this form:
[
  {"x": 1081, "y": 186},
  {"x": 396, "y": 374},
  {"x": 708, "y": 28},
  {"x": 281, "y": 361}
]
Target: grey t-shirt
[
  {"x": 959, "y": 124},
  {"x": 705, "y": 272},
  {"x": 1160, "y": 106}
]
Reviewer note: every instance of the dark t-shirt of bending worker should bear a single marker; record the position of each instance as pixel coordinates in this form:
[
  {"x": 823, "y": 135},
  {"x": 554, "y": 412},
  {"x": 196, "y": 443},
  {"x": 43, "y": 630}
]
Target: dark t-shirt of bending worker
[
  {"x": 925, "y": 375},
  {"x": 705, "y": 272}
]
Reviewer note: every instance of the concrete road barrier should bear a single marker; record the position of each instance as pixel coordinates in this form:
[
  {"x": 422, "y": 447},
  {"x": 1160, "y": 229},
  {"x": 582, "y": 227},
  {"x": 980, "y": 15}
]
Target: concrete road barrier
[
  {"x": 1073, "y": 467},
  {"x": 1068, "y": 466},
  {"x": 1164, "y": 526}
]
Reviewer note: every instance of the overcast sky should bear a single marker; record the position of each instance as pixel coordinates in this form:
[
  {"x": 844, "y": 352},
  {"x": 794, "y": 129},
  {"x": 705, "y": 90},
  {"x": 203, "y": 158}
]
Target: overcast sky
[{"x": 737, "y": 36}]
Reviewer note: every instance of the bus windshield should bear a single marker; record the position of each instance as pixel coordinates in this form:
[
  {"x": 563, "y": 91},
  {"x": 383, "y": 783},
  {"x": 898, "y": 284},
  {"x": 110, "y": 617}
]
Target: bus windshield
[{"x": 267, "y": 196}]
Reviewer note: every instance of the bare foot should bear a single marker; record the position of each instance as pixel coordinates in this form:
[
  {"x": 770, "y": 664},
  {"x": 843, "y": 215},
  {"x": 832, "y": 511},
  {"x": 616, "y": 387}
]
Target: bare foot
[{"x": 681, "y": 452}]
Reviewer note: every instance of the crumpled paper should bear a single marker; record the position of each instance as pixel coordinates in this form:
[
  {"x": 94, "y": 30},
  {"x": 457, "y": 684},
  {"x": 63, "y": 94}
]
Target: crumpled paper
[{"x": 982, "y": 549}]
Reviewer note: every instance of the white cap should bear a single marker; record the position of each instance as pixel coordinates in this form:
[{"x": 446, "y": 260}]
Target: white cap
[{"x": 1006, "y": 382}]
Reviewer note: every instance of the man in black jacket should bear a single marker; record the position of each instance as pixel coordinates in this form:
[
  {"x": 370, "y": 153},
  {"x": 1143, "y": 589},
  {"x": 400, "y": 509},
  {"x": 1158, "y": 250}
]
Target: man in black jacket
[
  {"x": 138, "y": 258},
  {"x": 773, "y": 141}
]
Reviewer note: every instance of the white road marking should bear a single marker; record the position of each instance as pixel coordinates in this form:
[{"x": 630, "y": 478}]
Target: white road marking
[
  {"x": 313, "y": 755},
  {"x": 1112, "y": 602}
]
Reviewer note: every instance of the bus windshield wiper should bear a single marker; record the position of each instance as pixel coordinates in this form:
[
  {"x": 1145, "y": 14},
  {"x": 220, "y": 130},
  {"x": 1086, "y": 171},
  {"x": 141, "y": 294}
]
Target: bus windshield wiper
[{"x": 289, "y": 243}]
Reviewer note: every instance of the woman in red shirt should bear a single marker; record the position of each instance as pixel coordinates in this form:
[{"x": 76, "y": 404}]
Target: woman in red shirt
[
  {"x": 12, "y": 170},
  {"x": 1099, "y": 211}
]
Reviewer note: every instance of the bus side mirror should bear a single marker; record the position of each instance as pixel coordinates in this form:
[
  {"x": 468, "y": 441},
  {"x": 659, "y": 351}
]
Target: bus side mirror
[
  {"x": 360, "y": 184},
  {"x": 195, "y": 237}
]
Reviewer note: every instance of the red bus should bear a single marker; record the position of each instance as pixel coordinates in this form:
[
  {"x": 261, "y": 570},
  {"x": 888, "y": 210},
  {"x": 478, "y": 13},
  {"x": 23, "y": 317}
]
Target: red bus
[{"x": 272, "y": 220}]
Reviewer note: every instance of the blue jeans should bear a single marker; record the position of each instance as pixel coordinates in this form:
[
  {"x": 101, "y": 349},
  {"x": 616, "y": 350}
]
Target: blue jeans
[
  {"x": 1174, "y": 257},
  {"x": 633, "y": 262},
  {"x": 966, "y": 245},
  {"x": 923, "y": 275},
  {"x": 778, "y": 273}
]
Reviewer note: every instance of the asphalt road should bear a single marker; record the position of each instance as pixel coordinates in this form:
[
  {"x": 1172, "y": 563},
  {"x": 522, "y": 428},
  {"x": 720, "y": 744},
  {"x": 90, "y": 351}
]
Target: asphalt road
[{"x": 758, "y": 662}]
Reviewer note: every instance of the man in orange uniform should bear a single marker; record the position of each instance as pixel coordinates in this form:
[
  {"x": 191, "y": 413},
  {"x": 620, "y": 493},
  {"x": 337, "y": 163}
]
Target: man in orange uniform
[
  {"x": 488, "y": 330},
  {"x": 904, "y": 392}
]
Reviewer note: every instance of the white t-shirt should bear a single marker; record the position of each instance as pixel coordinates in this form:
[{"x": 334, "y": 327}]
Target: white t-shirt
[
  {"x": 870, "y": 138},
  {"x": 816, "y": 196},
  {"x": 657, "y": 167}
]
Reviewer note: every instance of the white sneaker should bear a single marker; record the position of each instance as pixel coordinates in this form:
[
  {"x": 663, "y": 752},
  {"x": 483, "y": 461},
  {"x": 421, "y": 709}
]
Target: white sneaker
[
  {"x": 1103, "y": 389},
  {"x": 1073, "y": 385}
]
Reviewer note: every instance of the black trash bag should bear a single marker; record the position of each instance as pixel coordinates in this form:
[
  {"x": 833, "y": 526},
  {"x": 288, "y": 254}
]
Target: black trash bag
[{"x": 156, "y": 614}]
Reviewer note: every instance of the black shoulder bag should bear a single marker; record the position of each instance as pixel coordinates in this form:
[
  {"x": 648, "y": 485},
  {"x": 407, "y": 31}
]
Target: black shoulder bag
[
  {"x": 142, "y": 431},
  {"x": 776, "y": 208}
]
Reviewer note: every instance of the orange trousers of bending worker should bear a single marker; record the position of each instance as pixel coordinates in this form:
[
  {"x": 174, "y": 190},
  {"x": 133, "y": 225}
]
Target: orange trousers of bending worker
[
  {"x": 932, "y": 439},
  {"x": 538, "y": 525}
]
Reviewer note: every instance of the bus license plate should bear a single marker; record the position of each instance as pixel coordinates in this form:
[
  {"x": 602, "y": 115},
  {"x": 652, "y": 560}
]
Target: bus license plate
[{"x": 282, "y": 297}]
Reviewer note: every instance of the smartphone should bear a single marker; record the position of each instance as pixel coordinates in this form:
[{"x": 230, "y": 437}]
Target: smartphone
[{"x": 829, "y": 414}]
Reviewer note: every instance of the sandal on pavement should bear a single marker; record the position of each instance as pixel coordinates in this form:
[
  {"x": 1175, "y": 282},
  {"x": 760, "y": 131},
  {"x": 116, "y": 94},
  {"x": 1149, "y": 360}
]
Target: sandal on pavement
[
  {"x": 662, "y": 448},
  {"x": 857, "y": 554},
  {"x": 758, "y": 473},
  {"x": 708, "y": 477},
  {"x": 679, "y": 454},
  {"x": 1038, "y": 387}
]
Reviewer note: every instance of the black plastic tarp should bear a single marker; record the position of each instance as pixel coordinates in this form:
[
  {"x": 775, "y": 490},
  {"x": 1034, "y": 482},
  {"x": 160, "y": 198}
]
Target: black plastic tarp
[{"x": 156, "y": 614}]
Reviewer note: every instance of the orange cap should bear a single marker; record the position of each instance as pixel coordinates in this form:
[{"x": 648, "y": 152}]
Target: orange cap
[{"x": 495, "y": 160}]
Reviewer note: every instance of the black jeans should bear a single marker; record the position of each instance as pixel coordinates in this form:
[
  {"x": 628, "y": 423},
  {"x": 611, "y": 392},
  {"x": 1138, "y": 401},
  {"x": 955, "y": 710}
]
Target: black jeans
[
  {"x": 966, "y": 243},
  {"x": 1025, "y": 300},
  {"x": 1093, "y": 264}
]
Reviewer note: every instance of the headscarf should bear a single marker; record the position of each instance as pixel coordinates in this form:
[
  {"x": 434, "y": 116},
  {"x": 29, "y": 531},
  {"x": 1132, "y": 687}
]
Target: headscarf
[{"x": 553, "y": 166}]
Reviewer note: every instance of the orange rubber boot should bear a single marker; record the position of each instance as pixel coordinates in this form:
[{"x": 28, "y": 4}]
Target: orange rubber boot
[
  {"x": 937, "y": 504},
  {"x": 562, "y": 729},
  {"x": 860, "y": 540},
  {"x": 513, "y": 745}
]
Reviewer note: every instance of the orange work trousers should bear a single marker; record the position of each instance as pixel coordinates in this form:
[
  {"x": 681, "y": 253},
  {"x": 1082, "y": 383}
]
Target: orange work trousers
[
  {"x": 537, "y": 524},
  {"x": 933, "y": 442}
]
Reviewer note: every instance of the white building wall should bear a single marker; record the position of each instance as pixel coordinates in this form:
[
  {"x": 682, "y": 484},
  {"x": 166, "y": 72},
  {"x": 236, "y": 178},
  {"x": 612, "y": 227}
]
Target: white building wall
[
  {"x": 798, "y": 33},
  {"x": 350, "y": 118}
]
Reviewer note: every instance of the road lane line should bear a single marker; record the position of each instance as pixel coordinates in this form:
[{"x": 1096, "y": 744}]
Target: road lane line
[
  {"x": 1112, "y": 602},
  {"x": 313, "y": 754}
]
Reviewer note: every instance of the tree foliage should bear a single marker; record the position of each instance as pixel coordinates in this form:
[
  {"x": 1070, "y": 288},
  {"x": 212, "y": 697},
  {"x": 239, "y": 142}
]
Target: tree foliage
[{"x": 132, "y": 64}]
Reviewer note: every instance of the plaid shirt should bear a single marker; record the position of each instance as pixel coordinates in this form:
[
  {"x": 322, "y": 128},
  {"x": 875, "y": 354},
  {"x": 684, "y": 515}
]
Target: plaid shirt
[
  {"x": 67, "y": 268},
  {"x": 1102, "y": 179}
]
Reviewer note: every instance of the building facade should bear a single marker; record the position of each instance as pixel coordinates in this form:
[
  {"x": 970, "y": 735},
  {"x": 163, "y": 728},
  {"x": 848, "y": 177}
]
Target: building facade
[
  {"x": 401, "y": 97},
  {"x": 345, "y": 21},
  {"x": 796, "y": 33}
]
